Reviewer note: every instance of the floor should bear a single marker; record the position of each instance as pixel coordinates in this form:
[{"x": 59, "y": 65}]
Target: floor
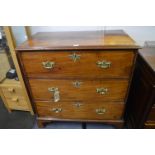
[
  {"x": 16, "y": 119},
  {"x": 24, "y": 120},
  {"x": 73, "y": 125}
]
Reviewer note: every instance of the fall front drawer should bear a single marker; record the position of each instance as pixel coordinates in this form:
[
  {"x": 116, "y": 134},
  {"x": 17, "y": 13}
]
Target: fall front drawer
[
  {"x": 103, "y": 90},
  {"x": 86, "y": 110},
  {"x": 78, "y": 64}
]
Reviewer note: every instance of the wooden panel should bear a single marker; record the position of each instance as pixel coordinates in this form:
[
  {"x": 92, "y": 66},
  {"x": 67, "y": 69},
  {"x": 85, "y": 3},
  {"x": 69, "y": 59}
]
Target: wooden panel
[
  {"x": 86, "y": 91},
  {"x": 12, "y": 91},
  {"x": 4, "y": 65},
  {"x": 121, "y": 63},
  {"x": 17, "y": 103},
  {"x": 11, "y": 88},
  {"x": 113, "y": 111},
  {"x": 28, "y": 31},
  {"x": 13, "y": 94},
  {"x": 11, "y": 45},
  {"x": 109, "y": 39},
  {"x": 4, "y": 100}
]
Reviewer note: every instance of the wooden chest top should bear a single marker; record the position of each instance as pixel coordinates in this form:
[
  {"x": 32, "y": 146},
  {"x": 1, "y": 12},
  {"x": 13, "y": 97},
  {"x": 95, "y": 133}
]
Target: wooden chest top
[{"x": 109, "y": 39}]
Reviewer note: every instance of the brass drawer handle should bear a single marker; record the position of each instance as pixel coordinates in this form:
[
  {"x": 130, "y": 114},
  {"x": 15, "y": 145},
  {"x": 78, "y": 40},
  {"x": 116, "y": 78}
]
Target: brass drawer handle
[
  {"x": 55, "y": 92},
  {"x": 100, "y": 111},
  {"x": 57, "y": 110},
  {"x": 77, "y": 84},
  {"x": 103, "y": 64},
  {"x": 11, "y": 90},
  {"x": 77, "y": 104},
  {"x": 15, "y": 99},
  {"x": 48, "y": 64},
  {"x": 75, "y": 57},
  {"x": 102, "y": 91}
]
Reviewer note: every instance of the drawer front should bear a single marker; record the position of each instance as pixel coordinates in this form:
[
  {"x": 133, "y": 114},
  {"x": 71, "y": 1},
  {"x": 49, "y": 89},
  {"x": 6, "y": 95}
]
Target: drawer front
[
  {"x": 17, "y": 102},
  {"x": 11, "y": 91},
  {"x": 102, "y": 90},
  {"x": 69, "y": 110},
  {"x": 78, "y": 64}
]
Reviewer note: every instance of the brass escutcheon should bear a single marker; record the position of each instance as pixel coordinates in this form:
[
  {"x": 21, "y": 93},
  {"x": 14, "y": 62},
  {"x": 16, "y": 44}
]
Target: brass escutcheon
[
  {"x": 77, "y": 84},
  {"x": 78, "y": 104},
  {"x": 75, "y": 57}
]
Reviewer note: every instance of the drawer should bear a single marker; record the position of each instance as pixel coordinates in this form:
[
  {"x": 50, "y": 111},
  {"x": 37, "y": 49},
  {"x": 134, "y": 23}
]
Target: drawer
[
  {"x": 11, "y": 91},
  {"x": 103, "y": 90},
  {"x": 78, "y": 64},
  {"x": 91, "y": 111},
  {"x": 17, "y": 102}
]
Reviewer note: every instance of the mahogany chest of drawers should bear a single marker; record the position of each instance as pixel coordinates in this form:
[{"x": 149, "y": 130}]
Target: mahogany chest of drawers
[
  {"x": 141, "y": 103},
  {"x": 78, "y": 76}
]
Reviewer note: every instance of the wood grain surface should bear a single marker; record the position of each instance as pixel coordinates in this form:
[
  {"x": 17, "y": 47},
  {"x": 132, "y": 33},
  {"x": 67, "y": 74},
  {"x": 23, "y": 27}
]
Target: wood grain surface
[
  {"x": 87, "y": 91},
  {"x": 11, "y": 88},
  {"x": 86, "y": 66},
  {"x": 109, "y": 39},
  {"x": 20, "y": 104},
  {"x": 86, "y": 111},
  {"x": 11, "y": 44}
]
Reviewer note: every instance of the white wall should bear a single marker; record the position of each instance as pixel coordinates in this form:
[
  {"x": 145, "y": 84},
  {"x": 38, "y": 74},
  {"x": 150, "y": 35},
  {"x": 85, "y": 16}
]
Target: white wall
[
  {"x": 35, "y": 29},
  {"x": 19, "y": 34},
  {"x": 139, "y": 33}
]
